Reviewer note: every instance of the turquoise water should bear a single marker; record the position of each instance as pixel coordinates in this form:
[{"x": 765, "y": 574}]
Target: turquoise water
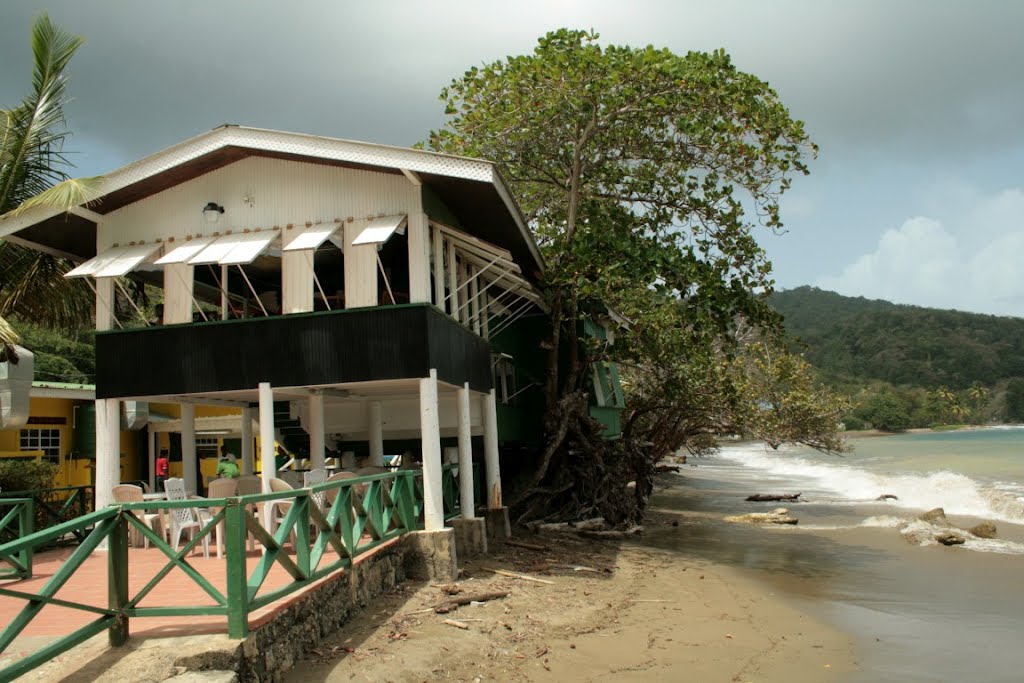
[{"x": 916, "y": 613}]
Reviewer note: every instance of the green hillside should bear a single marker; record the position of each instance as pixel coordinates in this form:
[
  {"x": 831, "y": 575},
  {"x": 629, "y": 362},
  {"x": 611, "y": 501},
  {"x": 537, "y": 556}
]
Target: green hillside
[{"x": 902, "y": 345}]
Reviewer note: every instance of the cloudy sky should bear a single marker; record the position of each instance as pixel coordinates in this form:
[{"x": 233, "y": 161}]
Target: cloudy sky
[{"x": 918, "y": 106}]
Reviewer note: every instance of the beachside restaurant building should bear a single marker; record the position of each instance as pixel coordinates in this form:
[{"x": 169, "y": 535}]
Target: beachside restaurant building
[{"x": 357, "y": 290}]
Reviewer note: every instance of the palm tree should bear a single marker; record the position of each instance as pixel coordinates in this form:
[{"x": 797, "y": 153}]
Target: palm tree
[{"x": 32, "y": 174}]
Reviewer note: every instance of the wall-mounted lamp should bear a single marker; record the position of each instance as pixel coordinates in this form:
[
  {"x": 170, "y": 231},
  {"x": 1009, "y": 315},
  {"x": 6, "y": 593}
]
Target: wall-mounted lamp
[{"x": 212, "y": 212}]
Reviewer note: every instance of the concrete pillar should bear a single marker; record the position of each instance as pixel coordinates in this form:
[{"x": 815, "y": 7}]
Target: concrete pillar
[
  {"x": 376, "y": 430},
  {"x": 268, "y": 466},
  {"x": 430, "y": 436},
  {"x": 492, "y": 466},
  {"x": 465, "y": 455},
  {"x": 247, "y": 459},
  {"x": 108, "y": 450},
  {"x": 189, "y": 465},
  {"x": 316, "y": 430}
]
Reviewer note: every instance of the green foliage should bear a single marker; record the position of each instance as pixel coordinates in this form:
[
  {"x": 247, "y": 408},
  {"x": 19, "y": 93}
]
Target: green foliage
[
  {"x": 60, "y": 356},
  {"x": 1015, "y": 400},
  {"x": 886, "y": 411},
  {"x": 32, "y": 162},
  {"x": 903, "y": 345},
  {"x": 18, "y": 474}
]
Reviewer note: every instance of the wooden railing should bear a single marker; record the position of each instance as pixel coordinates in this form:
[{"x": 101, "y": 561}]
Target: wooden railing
[
  {"x": 55, "y": 506},
  {"x": 366, "y": 512},
  {"x": 16, "y": 521}
]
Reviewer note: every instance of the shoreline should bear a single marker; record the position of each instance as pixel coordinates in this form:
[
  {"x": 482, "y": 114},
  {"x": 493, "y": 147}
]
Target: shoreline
[{"x": 608, "y": 610}]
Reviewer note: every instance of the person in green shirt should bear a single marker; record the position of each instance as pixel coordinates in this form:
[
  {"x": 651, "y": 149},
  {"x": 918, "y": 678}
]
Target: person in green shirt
[{"x": 228, "y": 465}]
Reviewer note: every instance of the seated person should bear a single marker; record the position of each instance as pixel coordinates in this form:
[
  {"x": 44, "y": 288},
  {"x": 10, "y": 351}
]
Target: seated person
[{"x": 227, "y": 467}]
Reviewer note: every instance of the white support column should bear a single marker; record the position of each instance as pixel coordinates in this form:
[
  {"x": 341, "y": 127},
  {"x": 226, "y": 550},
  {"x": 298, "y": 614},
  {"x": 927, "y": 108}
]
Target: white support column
[
  {"x": 465, "y": 455},
  {"x": 297, "y": 275},
  {"x": 104, "y": 304},
  {"x": 453, "y": 282},
  {"x": 430, "y": 435},
  {"x": 316, "y": 430},
  {"x": 492, "y": 467},
  {"x": 376, "y": 430},
  {"x": 418, "y": 232},
  {"x": 268, "y": 465},
  {"x": 437, "y": 240},
  {"x": 189, "y": 466},
  {"x": 474, "y": 296},
  {"x": 247, "y": 461},
  {"x": 151, "y": 448},
  {"x": 108, "y": 450}
]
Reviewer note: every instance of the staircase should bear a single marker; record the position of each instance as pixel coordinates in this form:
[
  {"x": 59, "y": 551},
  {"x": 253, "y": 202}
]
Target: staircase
[{"x": 290, "y": 433}]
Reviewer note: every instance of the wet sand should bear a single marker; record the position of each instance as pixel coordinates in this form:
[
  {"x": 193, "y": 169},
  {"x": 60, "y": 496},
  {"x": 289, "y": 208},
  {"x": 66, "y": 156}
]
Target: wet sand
[{"x": 646, "y": 614}]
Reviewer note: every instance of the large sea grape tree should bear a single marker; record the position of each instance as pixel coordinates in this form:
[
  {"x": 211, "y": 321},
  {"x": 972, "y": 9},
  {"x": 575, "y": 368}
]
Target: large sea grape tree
[{"x": 644, "y": 175}]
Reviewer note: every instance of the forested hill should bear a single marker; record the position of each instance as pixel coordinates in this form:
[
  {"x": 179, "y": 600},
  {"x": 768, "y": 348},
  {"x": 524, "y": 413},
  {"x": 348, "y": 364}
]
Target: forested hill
[{"x": 903, "y": 345}]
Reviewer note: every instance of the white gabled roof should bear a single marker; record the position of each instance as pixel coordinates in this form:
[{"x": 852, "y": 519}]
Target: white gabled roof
[{"x": 278, "y": 143}]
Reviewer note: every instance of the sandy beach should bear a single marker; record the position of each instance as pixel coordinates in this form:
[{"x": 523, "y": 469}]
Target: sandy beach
[{"x": 606, "y": 610}]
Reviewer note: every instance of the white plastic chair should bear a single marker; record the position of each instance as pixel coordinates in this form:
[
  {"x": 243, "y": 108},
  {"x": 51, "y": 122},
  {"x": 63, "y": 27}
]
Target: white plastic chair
[
  {"x": 312, "y": 477},
  {"x": 129, "y": 493},
  {"x": 186, "y": 518}
]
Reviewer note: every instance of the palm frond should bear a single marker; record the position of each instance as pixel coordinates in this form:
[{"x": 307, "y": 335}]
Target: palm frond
[
  {"x": 32, "y": 135},
  {"x": 8, "y": 341},
  {"x": 65, "y": 194},
  {"x": 33, "y": 287}
]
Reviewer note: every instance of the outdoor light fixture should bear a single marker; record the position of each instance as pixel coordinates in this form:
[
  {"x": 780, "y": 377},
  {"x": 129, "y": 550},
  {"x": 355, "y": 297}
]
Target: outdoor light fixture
[{"x": 212, "y": 212}]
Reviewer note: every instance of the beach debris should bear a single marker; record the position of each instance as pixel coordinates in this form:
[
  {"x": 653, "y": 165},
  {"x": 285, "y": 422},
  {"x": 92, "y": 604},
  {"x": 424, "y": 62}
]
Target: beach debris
[
  {"x": 984, "y": 530},
  {"x": 457, "y": 624},
  {"x": 516, "y": 575},
  {"x": 935, "y": 517},
  {"x": 448, "y": 588},
  {"x": 772, "y": 497},
  {"x": 589, "y": 524},
  {"x": 776, "y": 516},
  {"x": 454, "y": 603},
  {"x": 888, "y": 496},
  {"x": 612, "y": 534},
  {"x": 661, "y": 469},
  {"x": 950, "y": 538},
  {"x": 528, "y": 546}
]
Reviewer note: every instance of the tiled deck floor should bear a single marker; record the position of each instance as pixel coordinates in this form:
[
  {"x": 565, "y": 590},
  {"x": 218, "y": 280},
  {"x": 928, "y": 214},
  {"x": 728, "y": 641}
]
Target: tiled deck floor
[{"x": 89, "y": 585}]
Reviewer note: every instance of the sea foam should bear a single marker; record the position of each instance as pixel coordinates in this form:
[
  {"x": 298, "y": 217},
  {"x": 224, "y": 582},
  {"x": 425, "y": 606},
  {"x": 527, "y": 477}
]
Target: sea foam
[{"x": 841, "y": 483}]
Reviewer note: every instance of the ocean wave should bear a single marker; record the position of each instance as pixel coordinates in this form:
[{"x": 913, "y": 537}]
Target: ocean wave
[{"x": 957, "y": 493}]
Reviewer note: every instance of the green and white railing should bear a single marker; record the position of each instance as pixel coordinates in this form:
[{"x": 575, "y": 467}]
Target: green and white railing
[{"x": 366, "y": 512}]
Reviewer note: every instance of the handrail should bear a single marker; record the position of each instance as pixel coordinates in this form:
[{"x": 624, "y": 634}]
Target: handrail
[
  {"x": 19, "y": 560},
  {"x": 366, "y": 512}
]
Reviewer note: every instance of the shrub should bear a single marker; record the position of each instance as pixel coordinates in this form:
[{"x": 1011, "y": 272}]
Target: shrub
[{"x": 17, "y": 474}]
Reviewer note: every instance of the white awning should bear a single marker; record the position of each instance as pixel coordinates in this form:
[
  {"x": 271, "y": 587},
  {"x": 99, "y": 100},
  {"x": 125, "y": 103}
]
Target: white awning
[
  {"x": 313, "y": 236},
  {"x": 380, "y": 230},
  {"x": 116, "y": 261},
  {"x": 236, "y": 249},
  {"x": 183, "y": 251}
]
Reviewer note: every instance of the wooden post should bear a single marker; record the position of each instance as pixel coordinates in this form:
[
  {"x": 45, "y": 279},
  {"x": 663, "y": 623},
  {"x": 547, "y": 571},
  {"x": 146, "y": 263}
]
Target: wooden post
[
  {"x": 268, "y": 465},
  {"x": 189, "y": 466},
  {"x": 376, "y": 429},
  {"x": 104, "y": 303},
  {"x": 117, "y": 580},
  {"x": 492, "y": 465},
  {"x": 466, "y": 501},
  {"x": 430, "y": 436},
  {"x": 237, "y": 588},
  {"x": 418, "y": 233},
  {"x": 437, "y": 241},
  {"x": 316, "y": 430},
  {"x": 247, "y": 460}
]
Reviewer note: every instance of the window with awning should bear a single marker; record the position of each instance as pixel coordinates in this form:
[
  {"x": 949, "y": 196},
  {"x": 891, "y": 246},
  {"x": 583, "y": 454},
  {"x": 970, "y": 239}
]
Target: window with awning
[
  {"x": 116, "y": 261},
  {"x": 235, "y": 249}
]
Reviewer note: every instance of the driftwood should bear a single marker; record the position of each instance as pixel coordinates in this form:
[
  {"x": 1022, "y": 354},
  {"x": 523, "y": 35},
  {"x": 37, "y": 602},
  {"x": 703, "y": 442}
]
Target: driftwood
[
  {"x": 454, "y": 603},
  {"x": 528, "y": 546},
  {"x": 770, "y": 497},
  {"x": 456, "y": 624},
  {"x": 515, "y": 575},
  {"x": 606, "y": 535},
  {"x": 589, "y": 524},
  {"x": 666, "y": 468}
]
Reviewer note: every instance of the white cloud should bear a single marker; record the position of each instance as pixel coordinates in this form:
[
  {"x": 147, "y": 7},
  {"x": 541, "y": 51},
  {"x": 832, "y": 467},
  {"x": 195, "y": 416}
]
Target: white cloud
[{"x": 974, "y": 263}]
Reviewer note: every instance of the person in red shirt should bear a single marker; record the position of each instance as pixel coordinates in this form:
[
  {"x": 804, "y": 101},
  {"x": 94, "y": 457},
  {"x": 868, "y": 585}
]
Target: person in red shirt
[{"x": 163, "y": 464}]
